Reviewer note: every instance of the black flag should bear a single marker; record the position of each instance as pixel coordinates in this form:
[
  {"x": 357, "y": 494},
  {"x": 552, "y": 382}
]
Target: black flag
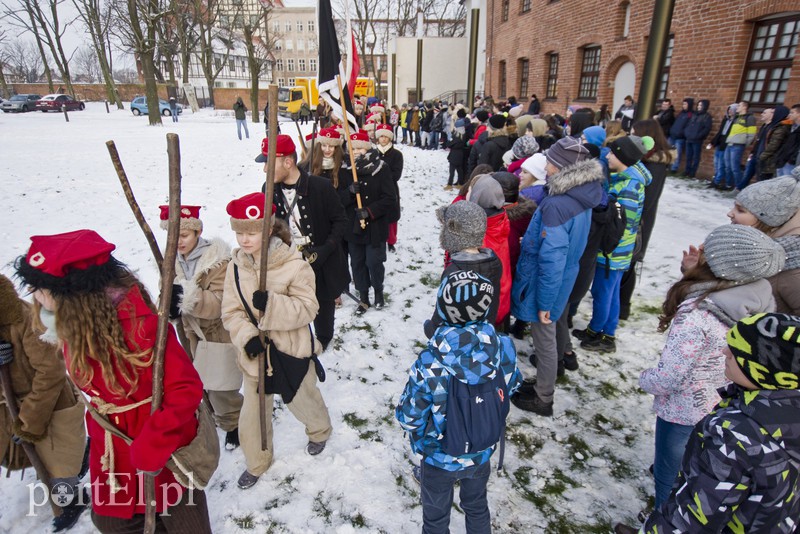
[{"x": 330, "y": 65}]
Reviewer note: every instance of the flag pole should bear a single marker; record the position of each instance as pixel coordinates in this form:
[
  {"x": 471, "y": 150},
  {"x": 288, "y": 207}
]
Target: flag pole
[{"x": 346, "y": 123}]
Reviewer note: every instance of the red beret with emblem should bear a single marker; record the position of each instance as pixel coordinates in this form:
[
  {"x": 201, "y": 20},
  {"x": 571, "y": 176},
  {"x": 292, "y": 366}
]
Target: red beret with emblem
[
  {"x": 190, "y": 218},
  {"x": 283, "y": 147},
  {"x": 330, "y": 137},
  {"x": 360, "y": 139},
  {"x": 68, "y": 263},
  {"x": 247, "y": 213}
]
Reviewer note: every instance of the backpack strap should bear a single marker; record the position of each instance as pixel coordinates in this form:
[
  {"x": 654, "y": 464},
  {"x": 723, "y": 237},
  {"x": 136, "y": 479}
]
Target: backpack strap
[{"x": 241, "y": 296}]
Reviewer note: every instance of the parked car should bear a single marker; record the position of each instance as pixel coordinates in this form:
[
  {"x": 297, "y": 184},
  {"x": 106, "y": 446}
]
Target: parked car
[
  {"x": 139, "y": 107},
  {"x": 55, "y": 103},
  {"x": 24, "y": 102}
]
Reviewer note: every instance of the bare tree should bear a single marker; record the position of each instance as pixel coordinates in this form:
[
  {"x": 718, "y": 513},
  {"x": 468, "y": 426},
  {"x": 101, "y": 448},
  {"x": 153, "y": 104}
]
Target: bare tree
[
  {"x": 96, "y": 18},
  {"x": 23, "y": 60},
  {"x": 87, "y": 66},
  {"x": 449, "y": 15},
  {"x": 22, "y": 17},
  {"x": 126, "y": 75},
  {"x": 4, "y": 64},
  {"x": 213, "y": 23},
  {"x": 259, "y": 42}
]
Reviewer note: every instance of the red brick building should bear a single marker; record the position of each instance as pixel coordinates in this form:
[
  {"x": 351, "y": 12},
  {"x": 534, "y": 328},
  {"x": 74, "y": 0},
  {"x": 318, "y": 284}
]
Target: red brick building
[{"x": 592, "y": 52}]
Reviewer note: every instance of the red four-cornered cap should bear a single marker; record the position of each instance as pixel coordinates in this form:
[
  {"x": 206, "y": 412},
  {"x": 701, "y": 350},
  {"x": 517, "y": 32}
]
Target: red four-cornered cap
[
  {"x": 187, "y": 212},
  {"x": 283, "y": 147},
  {"x": 248, "y": 207},
  {"x": 59, "y": 254}
]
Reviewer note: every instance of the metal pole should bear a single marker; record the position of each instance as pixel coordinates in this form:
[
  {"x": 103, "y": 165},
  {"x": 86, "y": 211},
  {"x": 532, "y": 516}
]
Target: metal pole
[
  {"x": 654, "y": 60},
  {"x": 472, "y": 66},
  {"x": 394, "y": 79},
  {"x": 419, "y": 70}
]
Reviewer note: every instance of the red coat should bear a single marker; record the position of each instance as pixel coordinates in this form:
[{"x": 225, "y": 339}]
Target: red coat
[
  {"x": 155, "y": 436},
  {"x": 496, "y": 238}
]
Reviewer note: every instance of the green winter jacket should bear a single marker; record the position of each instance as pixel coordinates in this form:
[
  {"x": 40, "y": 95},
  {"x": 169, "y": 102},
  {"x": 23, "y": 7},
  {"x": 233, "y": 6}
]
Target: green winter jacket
[
  {"x": 239, "y": 110},
  {"x": 743, "y": 130}
]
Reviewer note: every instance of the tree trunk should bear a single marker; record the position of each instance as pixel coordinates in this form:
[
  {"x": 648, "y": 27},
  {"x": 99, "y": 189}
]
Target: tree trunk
[
  {"x": 254, "y": 66},
  {"x": 34, "y": 28},
  {"x": 144, "y": 48},
  {"x": 3, "y": 84}
]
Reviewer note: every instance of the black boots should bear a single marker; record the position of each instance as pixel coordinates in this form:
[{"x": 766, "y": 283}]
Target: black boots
[
  {"x": 379, "y": 303},
  {"x": 363, "y": 306}
]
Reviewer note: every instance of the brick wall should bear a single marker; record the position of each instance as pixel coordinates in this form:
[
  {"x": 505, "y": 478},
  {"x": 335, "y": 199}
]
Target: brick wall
[
  {"x": 712, "y": 39},
  {"x": 89, "y": 92}
]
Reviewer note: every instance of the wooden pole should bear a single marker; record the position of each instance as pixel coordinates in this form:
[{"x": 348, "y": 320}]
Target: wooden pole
[
  {"x": 162, "y": 332},
  {"x": 346, "y": 124},
  {"x": 29, "y": 448},
  {"x": 302, "y": 141},
  {"x": 265, "y": 237}
]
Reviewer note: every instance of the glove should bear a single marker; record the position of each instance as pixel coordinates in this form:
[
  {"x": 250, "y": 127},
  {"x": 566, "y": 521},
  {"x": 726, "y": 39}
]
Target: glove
[
  {"x": 254, "y": 347},
  {"x": 362, "y": 214},
  {"x": 174, "y": 310},
  {"x": 355, "y": 188},
  {"x": 6, "y": 352},
  {"x": 260, "y": 300}
]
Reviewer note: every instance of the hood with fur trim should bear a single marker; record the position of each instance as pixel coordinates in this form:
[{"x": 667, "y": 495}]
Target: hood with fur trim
[
  {"x": 572, "y": 176},
  {"x": 217, "y": 252}
]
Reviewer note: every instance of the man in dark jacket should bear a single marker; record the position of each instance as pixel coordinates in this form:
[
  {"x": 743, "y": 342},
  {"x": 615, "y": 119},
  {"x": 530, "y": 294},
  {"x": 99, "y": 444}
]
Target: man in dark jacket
[
  {"x": 367, "y": 245},
  {"x": 677, "y": 134},
  {"x": 497, "y": 143},
  {"x": 696, "y": 131},
  {"x": 311, "y": 207},
  {"x": 788, "y": 157},
  {"x": 665, "y": 116},
  {"x": 535, "y": 107}
]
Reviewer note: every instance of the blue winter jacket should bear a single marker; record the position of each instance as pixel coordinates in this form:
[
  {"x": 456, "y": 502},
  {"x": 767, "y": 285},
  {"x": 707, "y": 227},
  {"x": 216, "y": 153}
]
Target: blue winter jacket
[
  {"x": 473, "y": 354},
  {"x": 699, "y": 126},
  {"x": 554, "y": 242}
]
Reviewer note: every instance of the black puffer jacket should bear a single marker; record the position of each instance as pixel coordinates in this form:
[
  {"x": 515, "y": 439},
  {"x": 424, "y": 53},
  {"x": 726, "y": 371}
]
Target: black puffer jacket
[{"x": 491, "y": 153}]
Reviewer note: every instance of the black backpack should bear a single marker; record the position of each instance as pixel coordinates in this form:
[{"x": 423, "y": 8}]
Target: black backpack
[
  {"x": 476, "y": 416},
  {"x": 611, "y": 222}
]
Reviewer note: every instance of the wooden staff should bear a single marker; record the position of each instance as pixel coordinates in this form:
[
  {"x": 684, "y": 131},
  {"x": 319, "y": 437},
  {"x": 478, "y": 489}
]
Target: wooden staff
[
  {"x": 263, "y": 364},
  {"x": 342, "y": 97},
  {"x": 29, "y": 448},
  {"x": 313, "y": 141},
  {"x": 167, "y": 277},
  {"x": 148, "y": 232},
  {"x": 302, "y": 141}
]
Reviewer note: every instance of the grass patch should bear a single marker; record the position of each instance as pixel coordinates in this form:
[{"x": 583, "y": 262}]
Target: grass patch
[
  {"x": 580, "y": 451},
  {"x": 527, "y": 445},
  {"x": 322, "y": 508},
  {"x": 650, "y": 309},
  {"x": 366, "y": 327},
  {"x": 608, "y": 390},
  {"x": 430, "y": 280},
  {"x": 245, "y": 522},
  {"x": 354, "y": 421}
]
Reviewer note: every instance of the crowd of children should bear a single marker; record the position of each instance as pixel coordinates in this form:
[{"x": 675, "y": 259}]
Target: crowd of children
[{"x": 544, "y": 212}]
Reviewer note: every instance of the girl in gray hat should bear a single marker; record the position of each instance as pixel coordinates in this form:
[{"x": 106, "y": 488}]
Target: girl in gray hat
[{"x": 725, "y": 285}]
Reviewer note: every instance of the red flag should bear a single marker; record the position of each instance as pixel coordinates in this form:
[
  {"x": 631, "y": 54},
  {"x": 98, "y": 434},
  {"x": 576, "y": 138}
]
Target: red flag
[{"x": 352, "y": 58}]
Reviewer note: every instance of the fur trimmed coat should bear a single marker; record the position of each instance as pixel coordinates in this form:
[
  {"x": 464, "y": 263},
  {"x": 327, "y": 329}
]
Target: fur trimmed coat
[
  {"x": 291, "y": 303},
  {"x": 202, "y": 293}
]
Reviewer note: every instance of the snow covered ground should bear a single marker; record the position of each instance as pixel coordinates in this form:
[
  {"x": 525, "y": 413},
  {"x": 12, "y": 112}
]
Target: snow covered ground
[{"x": 581, "y": 471}]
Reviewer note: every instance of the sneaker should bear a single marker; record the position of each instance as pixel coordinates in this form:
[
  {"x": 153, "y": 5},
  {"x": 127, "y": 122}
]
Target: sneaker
[
  {"x": 232, "y": 439},
  {"x": 570, "y": 361},
  {"x": 315, "y": 447},
  {"x": 247, "y": 481},
  {"x": 713, "y": 185},
  {"x": 527, "y": 386},
  {"x": 532, "y": 403},
  {"x": 71, "y": 513},
  {"x": 416, "y": 472},
  {"x": 448, "y": 187},
  {"x": 586, "y": 333},
  {"x": 559, "y": 367},
  {"x": 603, "y": 344},
  {"x": 620, "y": 528}
]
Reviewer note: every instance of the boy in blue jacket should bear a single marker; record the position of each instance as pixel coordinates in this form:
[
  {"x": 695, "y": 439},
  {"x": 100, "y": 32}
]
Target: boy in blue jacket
[{"x": 466, "y": 348}]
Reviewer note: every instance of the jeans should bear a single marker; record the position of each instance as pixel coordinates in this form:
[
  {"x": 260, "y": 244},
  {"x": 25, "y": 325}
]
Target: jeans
[
  {"x": 239, "y": 124},
  {"x": 434, "y": 142},
  {"x": 693, "y": 153},
  {"x": 750, "y": 169},
  {"x": 605, "y": 300},
  {"x": 785, "y": 170},
  {"x": 720, "y": 170},
  {"x": 437, "y": 498},
  {"x": 174, "y": 113},
  {"x": 733, "y": 160},
  {"x": 680, "y": 145},
  {"x": 671, "y": 440}
]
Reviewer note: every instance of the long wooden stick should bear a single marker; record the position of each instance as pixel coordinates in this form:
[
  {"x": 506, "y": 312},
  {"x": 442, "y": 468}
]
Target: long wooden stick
[
  {"x": 162, "y": 332},
  {"x": 265, "y": 237},
  {"x": 29, "y": 448},
  {"x": 302, "y": 141},
  {"x": 146, "y": 230},
  {"x": 342, "y": 96},
  {"x": 137, "y": 212}
]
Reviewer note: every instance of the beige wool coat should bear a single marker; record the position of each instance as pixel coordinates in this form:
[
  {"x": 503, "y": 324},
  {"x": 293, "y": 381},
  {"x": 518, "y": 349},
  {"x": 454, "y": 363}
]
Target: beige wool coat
[{"x": 291, "y": 304}]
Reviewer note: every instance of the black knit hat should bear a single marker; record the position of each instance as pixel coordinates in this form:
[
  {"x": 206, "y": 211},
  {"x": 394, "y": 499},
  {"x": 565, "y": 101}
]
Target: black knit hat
[
  {"x": 766, "y": 347},
  {"x": 498, "y": 121},
  {"x": 464, "y": 298}
]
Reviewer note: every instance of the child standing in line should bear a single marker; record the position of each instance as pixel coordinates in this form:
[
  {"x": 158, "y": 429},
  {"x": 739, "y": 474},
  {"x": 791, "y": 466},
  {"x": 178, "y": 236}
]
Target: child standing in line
[
  {"x": 467, "y": 348},
  {"x": 726, "y": 285},
  {"x": 289, "y": 305},
  {"x": 741, "y": 469},
  {"x": 200, "y": 268},
  {"x": 627, "y": 186}
]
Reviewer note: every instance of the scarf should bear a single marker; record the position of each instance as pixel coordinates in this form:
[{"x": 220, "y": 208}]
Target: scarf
[
  {"x": 384, "y": 149},
  {"x": 367, "y": 163},
  {"x": 48, "y": 319},
  {"x": 327, "y": 163}
]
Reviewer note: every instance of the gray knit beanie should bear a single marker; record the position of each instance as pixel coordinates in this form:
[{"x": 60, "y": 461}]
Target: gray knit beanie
[
  {"x": 524, "y": 147},
  {"x": 463, "y": 226},
  {"x": 486, "y": 192},
  {"x": 773, "y": 201},
  {"x": 742, "y": 254},
  {"x": 567, "y": 151}
]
